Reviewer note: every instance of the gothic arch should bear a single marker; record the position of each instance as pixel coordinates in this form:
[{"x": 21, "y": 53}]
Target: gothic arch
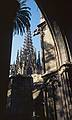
[
  {"x": 62, "y": 48},
  {"x": 62, "y": 51}
]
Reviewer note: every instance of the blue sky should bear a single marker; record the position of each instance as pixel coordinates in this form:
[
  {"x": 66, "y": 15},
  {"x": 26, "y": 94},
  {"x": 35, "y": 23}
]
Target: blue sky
[{"x": 18, "y": 40}]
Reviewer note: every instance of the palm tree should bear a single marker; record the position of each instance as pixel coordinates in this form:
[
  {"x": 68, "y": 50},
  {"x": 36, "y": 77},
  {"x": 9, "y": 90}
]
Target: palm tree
[
  {"x": 14, "y": 16},
  {"x": 22, "y": 18}
]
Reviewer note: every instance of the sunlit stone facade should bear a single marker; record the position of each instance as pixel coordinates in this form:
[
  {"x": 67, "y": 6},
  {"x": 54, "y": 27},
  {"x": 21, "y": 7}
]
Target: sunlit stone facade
[
  {"x": 55, "y": 52},
  {"x": 49, "y": 48}
]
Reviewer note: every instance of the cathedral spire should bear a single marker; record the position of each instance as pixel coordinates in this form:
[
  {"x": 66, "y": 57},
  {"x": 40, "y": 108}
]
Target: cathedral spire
[
  {"x": 26, "y": 60},
  {"x": 21, "y": 59},
  {"x": 39, "y": 67},
  {"x": 28, "y": 52},
  {"x": 17, "y": 62}
]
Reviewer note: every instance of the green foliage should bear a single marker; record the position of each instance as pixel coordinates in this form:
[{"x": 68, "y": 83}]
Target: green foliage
[{"x": 22, "y": 19}]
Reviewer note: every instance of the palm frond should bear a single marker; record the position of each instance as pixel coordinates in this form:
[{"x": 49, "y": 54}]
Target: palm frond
[
  {"x": 22, "y": 3},
  {"x": 16, "y": 29},
  {"x": 25, "y": 19},
  {"x": 22, "y": 18},
  {"x": 21, "y": 26},
  {"x": 22, "y": 15},
  {"x": 23, "y": 7},
  {"x": 25, "y": 11}
]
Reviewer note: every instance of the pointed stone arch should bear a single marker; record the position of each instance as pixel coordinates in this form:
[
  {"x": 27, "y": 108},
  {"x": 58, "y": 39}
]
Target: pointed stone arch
[{"x": 58, "y": 32}]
